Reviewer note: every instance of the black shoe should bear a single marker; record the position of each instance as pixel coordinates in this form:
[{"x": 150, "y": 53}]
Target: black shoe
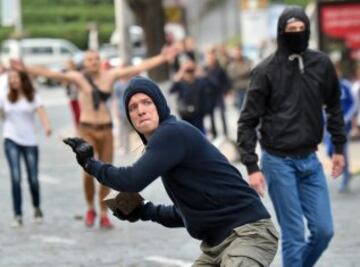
[{"x": 38, "y": 215}]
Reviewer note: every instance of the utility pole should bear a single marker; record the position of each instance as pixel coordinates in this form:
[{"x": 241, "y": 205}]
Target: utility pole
[
  {"x": 18, "y": 27},
  {"x": 93, "y": 38},
  {"x": 237, "y": 10},
  {"x": 223, "y": 22},
  {"x": 120, "y": 28},
  {"x": 18, "y": 19},
  {"x": 198, "y": 20}
]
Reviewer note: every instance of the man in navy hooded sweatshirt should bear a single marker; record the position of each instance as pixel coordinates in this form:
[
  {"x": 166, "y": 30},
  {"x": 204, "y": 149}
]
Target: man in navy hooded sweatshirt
[{"x": 211, "y": 199}]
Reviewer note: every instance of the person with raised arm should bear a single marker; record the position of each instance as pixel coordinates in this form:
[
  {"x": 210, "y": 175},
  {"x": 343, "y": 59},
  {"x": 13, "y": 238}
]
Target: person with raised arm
[{"x": 95, "y": 86}]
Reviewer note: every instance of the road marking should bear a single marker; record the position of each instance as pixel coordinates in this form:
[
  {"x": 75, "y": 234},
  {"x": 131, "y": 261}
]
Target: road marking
[
  {"x": 49, "y": 180},
  {"x": 55, "y": 240},
  {"x": 168, "y": 261}
]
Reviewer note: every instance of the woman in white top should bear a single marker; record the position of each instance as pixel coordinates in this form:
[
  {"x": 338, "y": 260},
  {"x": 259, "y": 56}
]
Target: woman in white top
[{"x": 19, "y": 106}]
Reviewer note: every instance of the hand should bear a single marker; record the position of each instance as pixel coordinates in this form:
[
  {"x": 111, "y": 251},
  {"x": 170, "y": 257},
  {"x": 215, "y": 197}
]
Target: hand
[
  {"x": 82, "y": 149},
  {"x": 17, "y": 65},
  {"x": 199, "y": 72},
  {"x": 134, "y": 216},
  {"x": 169, "y": 52},
  {"x": 48, "y": 131},
  {"x": 179, "y": 75},
  {"x": 257, "y": 181},
  {"x": 338, "y": 163}
]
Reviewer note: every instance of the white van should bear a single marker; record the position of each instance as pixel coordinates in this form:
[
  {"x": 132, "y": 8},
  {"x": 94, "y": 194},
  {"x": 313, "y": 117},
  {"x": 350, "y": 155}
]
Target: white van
[{"x": 40, "y": 51}]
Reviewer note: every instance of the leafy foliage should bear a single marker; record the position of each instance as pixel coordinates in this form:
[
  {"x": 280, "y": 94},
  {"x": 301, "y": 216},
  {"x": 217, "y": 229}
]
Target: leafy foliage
[
  {"x": 65, "y": 19},
  {"x": 302, "y": 3}
]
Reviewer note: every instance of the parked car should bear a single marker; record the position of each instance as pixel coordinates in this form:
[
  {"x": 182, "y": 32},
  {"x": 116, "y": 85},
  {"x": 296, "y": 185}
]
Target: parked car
[
  {"x": 48, "y": 52},
  {"x": 40, "y": 51}
]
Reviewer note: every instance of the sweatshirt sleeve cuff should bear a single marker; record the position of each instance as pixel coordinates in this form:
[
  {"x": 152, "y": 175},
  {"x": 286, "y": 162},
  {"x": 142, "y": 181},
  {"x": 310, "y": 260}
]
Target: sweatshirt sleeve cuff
[
  {"x": 147, "y": 212},
  {"x": 339, "y": 149},
  {"x": 92, "y": 166},
  {"x": 251, "y": 168}
]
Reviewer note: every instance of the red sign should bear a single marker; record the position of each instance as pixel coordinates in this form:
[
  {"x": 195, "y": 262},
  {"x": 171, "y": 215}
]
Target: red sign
[{"x": 342, "y": 21}]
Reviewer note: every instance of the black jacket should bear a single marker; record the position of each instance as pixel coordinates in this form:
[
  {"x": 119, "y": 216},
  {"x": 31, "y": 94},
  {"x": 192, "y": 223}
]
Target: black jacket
[{"x": 284, "y": 106}]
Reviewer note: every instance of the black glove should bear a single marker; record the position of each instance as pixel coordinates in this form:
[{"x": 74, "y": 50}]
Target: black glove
[
  {"x": 132, "y": 217},
  {"x": 83, "y": 150}
]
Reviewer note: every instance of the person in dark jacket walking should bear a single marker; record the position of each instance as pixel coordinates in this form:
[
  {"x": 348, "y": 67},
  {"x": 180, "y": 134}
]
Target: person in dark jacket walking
[
  {"x": 211, "y": 200},
  {"x": 191, "y": 100},
  {"x": 285, "y": 101},
  {"x": 221, "y": 84}
]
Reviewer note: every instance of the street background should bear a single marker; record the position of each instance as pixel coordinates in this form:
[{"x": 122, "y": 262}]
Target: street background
[{"x": 63, "y": 240}]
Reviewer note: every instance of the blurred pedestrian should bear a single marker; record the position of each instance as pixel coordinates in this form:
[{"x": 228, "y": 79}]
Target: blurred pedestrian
[
  {"x": 186, "y": 50},
  {"x": 238, "y": 71},
  {"x": 211, "y": 200},
  {"x": 348, "y": 106},
  {"x": 192, "y": 101},
  {"x": 19, "y": 106},
  {"x": 356, "y": 91},
  {"x": 222, "y": 55},
  {"x": 220, "y": 85},
  {"x": 95, "y": 87},
  {"x": 284, "y": 111}
]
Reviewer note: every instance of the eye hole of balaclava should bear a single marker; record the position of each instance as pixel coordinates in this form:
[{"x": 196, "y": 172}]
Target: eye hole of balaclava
[{"x": 295, "y": 35}]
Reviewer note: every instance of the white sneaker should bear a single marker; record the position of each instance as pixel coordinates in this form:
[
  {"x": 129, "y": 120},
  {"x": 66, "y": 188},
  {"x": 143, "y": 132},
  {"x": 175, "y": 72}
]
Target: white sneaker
[{"x": 17, "y": 222}]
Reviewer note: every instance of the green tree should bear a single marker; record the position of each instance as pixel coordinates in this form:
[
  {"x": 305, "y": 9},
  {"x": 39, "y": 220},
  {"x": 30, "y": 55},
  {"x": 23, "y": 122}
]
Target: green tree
[{"x": 65, "y": 19}]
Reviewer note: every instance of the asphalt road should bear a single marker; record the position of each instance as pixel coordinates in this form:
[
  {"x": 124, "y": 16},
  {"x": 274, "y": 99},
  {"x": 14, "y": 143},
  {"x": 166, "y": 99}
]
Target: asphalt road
[{"x": 63, "y": 240}]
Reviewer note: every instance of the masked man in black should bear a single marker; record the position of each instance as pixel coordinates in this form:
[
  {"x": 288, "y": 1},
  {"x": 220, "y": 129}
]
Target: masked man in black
[{"x": 284, "y": 111}]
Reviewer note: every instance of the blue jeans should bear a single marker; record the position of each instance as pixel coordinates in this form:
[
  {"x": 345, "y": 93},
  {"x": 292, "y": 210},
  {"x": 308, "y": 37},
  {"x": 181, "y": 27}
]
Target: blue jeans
[
  {"x": 13, "y": 152},
  {"x": 298, "y": 189},
  {"x": 239, "y": 98}
]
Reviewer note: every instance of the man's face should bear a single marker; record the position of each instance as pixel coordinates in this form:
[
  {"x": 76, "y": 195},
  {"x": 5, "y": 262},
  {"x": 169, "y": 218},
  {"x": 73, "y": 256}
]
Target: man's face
[
  {"x": 238, "y": 53},
  {"x": 210, "y": 58},
  {"x": 296, "y": 26},
  {"x": 92, "y": 61},
  {"x": 143, "y": 114},
  {"x": 189, "y": 68}
]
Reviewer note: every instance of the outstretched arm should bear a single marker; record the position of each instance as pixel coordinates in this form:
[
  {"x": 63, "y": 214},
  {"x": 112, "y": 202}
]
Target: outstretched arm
[
  {"x": 166, "y": 147},
  {"x": 167, "y": 54},
  {"x": 45, "y": 72}
]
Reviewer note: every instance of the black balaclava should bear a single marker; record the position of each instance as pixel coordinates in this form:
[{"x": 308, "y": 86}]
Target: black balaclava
[
  {"x": 293, "y": 42},
  {"x": 146, "y": 86}
]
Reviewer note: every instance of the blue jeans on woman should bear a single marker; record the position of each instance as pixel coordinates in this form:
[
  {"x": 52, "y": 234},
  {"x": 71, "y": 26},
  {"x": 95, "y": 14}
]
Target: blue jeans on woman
[
  {"x": 13, "y": 153},
  {"x": 298, "y": 189}
]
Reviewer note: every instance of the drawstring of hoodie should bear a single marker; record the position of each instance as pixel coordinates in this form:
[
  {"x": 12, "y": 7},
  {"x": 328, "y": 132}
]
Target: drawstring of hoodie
[{"x": 292, "y": 57}]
